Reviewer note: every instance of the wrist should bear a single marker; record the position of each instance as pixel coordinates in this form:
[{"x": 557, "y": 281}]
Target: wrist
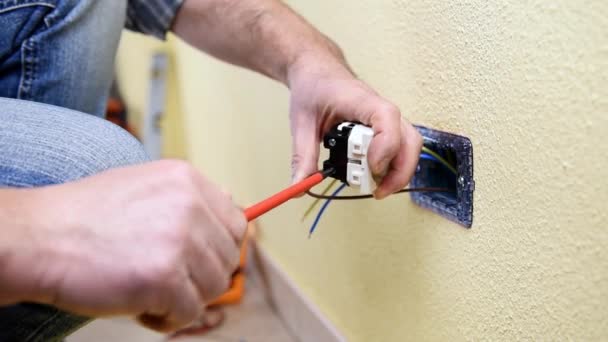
[
  {"x": 26, "y": 249},
  {"x": 325, "y": 63}
]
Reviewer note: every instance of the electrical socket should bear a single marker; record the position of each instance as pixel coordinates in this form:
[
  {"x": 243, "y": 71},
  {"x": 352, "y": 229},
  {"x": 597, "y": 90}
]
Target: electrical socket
[{"x": 456, "y": 205}]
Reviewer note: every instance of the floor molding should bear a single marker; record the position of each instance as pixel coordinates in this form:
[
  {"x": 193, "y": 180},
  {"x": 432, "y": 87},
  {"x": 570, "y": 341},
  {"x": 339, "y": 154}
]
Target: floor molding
[{"x": 304, "y": 320}]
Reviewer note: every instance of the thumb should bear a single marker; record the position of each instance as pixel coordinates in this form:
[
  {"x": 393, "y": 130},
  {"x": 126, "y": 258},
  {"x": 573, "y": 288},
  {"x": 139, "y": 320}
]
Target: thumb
[
  {"x": 305, "y": 146},
  {"x": 183, "y": 306}
]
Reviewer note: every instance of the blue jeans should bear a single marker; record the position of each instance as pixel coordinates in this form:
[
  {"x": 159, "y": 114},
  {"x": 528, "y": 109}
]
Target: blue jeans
[{"x": 58, "y": 52}]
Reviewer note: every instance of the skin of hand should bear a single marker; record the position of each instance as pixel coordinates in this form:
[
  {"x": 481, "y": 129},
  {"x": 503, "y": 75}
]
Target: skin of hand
[
  {"x": 324, "y": 92},
  {"x": 269, "y": 37},
  {"x": 157, "y": 241}
]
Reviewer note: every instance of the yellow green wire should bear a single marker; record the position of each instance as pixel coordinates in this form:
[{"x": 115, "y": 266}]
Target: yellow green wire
[
  {"x": 316, "y": 201},
  {"x": 440, "y": 158}
]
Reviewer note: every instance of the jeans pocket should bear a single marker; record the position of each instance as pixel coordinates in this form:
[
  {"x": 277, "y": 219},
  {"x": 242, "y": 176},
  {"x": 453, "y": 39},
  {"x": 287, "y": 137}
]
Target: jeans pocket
[{"x": 19, "y": 21}]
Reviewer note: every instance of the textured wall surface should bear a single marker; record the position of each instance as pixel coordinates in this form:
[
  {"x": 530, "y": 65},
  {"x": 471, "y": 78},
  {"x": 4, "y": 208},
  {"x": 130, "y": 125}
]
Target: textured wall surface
[{"x": 528, "y": 83}]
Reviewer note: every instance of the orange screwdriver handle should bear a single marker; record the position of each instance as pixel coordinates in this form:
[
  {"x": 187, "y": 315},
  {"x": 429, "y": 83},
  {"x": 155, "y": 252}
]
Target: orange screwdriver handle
[{"x": 276, "y": 200}]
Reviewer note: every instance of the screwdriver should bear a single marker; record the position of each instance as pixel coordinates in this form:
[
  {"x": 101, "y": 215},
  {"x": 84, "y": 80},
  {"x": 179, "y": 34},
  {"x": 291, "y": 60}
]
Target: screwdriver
[{"x": 285, "y": 195}]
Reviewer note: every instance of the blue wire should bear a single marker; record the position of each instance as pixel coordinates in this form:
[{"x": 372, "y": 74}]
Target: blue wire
[
  {"x": 428, "y": 157},
  {"x": 424, "y": 156},
  {"x": 322, "y": 210}
]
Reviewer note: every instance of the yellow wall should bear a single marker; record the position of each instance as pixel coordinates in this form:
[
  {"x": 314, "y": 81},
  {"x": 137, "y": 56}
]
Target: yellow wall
[
  {"x": 528, "y": 83},
  {"x": 133, "y": 63}
]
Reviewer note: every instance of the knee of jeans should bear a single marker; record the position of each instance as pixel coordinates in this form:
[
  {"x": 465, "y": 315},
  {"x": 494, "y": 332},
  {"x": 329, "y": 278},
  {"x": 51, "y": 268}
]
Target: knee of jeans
[
  {"x": 56, "y": 145},
  {"x": 104, "y": 146}
]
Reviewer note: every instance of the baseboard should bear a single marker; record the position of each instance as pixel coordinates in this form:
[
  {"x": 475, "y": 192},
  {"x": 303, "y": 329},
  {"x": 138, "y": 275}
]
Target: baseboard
[{"x": 300, "y": 315}]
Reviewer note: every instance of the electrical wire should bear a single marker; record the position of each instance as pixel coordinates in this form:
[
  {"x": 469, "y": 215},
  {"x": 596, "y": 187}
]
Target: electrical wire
[
  {"x": 324, "y": 207},
  {"x": 334, "y": 197},
  {"x": 424, "y": 156},
  {"x": 360, "y": 197},
  {"x": 440, "y": 159},
  {"x": 312, "y": 206},
  {"x": 427, "y": 154}
]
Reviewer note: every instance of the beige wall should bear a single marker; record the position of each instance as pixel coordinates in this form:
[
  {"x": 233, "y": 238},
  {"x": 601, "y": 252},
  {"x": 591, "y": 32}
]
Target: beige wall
[
  {"x": 133, "y": 63},
  {"x": 528, "y": 83}
]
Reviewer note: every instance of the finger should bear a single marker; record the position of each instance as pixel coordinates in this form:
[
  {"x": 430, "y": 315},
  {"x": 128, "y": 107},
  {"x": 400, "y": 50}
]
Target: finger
[
  {"x": 210, "y": 277},
  {"x": 221, "y": 205},
  {"x": 403, "y": 166},
  {"x": 386, "y": 143},
  {"x": 212, "y": 258},
  {"x": 228, "y": 214},
  {"x": 305, "y": 145},
  {"x": 184, "y": 308}
]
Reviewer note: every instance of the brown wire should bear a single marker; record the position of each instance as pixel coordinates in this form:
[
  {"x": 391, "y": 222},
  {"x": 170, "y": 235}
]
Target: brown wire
[{"x": 359, "y": 197}]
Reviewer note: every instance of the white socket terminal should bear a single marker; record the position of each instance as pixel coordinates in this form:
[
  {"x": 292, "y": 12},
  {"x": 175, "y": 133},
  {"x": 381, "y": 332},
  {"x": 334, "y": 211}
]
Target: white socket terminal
[{"x": 358, "y": 173}]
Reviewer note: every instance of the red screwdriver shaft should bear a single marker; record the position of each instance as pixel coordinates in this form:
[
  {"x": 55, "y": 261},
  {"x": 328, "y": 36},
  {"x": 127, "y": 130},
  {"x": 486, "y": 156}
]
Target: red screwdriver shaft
[{"x": 276, "y": 200}]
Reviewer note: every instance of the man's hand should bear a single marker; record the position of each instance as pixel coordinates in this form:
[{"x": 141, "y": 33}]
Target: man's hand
[
  {"x": 325, "y": 92},
  {"x": 269, "y": 37},
  {"x": 156, "y": 241}
]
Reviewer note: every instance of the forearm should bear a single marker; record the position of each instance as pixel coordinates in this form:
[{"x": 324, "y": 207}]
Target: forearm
[
  {"x": 262, "y": 35},
  {"x": 20, "y": 246}
]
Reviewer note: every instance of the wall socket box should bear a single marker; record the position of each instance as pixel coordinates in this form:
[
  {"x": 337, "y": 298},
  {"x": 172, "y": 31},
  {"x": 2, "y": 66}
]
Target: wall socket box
[{"x": 457, "y": 204}]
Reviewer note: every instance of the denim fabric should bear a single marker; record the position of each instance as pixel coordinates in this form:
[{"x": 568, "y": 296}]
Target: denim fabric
[
  {"x": 60, "y": 52},
  {"x": 37, "y": 323},
  {"x": 42, "y": 145}
]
